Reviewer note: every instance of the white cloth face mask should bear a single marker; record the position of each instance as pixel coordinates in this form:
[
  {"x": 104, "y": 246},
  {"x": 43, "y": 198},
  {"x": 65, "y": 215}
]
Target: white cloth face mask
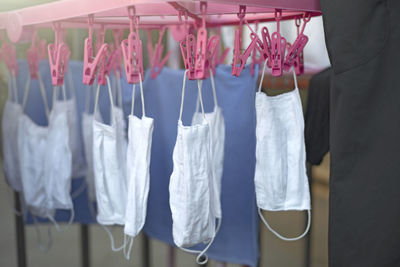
[
  {"x": 87, "y": 133},
  {"x": 190, "y": 184},
  {"x": 58, "y": 159},
  {"x": 140, "y": 134},
  {"x": 11, "y": 113},
  {"x": 281, "y": 181},
  {"x": 110, "y": 177},
  {"x": 217, "y": 128},
  {"x": 32, "y": 143}
]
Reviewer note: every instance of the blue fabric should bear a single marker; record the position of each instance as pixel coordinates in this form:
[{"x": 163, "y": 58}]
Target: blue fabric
[{"x": 237, "y": 240}]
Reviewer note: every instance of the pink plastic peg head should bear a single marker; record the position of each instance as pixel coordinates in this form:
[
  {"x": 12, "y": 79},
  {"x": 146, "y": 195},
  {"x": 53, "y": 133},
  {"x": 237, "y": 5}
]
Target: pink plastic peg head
[
  {"x": 32, "y": 56},
  {"x": 58, "y": 54},
  {"x": 157, "y": 63}
]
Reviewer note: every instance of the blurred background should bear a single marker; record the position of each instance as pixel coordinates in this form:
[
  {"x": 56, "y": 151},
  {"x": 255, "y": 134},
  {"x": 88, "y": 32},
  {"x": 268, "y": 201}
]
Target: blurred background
[{"x": 66, "y": 249}]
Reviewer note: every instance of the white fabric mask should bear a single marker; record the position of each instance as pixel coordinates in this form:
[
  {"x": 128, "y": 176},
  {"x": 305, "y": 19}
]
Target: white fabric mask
[
  {"x": 217, "y": 128},
  {"x": 281, "y": 181},
  {"x": 191, "y": 182},
  {"x": 12, "y": 111},
  {"x": 32, "y": 142},
  {"x": 110, "y": 177},
  {"x": 140, "y": 134},
  {"x": 58, "y": 159},
  {"x": 87, "y": 133}
]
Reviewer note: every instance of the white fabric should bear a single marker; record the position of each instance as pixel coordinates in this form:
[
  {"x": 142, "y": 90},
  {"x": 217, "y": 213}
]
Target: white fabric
[
  {"x": 140, "y": 134},
  {"x": 87, "y": 133},
  {"x": 189, "y": 188},
  {"x": 12, "y": 111},
  {"x": 217, "y": 128},
  {"x": 110, "y": 178},
  {"x": 281, "y": 181}
]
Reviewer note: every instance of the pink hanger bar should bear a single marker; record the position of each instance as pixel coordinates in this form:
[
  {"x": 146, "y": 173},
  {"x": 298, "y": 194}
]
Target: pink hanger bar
[
  {"x": 58, "y": 56},
  {"x": 157, "y": 63},
  {"x": 91, "y": 65},
  {"x": 132, "y": 50},
  {"x": 297, "y": 48},
  {"x": 278, "y": 47},
  {"x": 9, "y": 56},
  {"x": 239, "y": 60}
]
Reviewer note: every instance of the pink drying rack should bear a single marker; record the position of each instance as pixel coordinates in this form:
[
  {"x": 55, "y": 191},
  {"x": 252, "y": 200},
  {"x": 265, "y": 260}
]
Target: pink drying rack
[{"x": 20, "y": 24}]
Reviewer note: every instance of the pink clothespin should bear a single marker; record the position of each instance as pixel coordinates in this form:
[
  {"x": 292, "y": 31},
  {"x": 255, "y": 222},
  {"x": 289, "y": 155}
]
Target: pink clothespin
[
  {"x": 217, "y": 58},
  {"x": 239, "y": 61},
  {"x": 149, "y": 46},
  {"x": 132, "y": 50},
  {"x": 90, "y": 64},
  {"x": 278, "y": 47},
  {"x": 9, "y": 56},
  {"x": 196, "y": 53},
  {"x": 212, "y": 52},
  {"x": 117, "y": 53},
  {"x": 254, "y": 60},
  {"x": 157, "y": 63},
  {"x": 58, "y": 56},
  {"x": 296, "y": 50},
  {"x": 33, "y": 56},
  {"x": 105, "y": 62}
]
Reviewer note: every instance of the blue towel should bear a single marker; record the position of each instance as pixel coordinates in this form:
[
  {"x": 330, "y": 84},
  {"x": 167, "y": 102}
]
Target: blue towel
[{"x": 237, "y": 240}]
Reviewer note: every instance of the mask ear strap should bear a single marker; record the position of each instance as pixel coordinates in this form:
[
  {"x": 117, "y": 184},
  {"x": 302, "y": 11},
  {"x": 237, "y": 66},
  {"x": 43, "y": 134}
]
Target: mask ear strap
[
  {"x": 70, "y": 221},
  {"x": 295, "y": 79},
  {"x": 11, "y": 202},
  {"x": 14, "y": 86},
  {"x": 199, "y": 87},
  {"x": 71, "y": 85},
  {"x": 282, "y": 237},
  {"x": 119, "y": 89},
  {"x": 110, "y": 235},
  {"x": 213, "y": 88},
  {"x": 202, "y": 253},
  {"x": 79, "y": 190},
  {"x": 64, "y": 92},
  {"x": 262, "y": 76},
  {"x": 26, "y": 92},
  {"x": 183, "y": 95},
  {"x": 128, "y": 241},
  {"x": 44, "y": 96},
  {"x": 46, "y": 247},
  {"x": 111, "y": 98}
]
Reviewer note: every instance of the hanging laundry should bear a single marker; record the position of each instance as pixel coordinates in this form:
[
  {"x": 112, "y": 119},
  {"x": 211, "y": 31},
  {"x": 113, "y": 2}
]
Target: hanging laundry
[
  {"x": 138, "y": 170},
  {"x": 236, "y": 100},
  {"x": 12, "y": 111},
  {"x": 281, "y": 182},
  {"x": 317, "y": 117}
]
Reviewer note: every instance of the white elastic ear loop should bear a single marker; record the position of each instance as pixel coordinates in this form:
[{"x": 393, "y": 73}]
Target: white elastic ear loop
[
  {"x": 42, "y": 248},
  {"x": 14, "y": 86},
  {"x": 262, "y": 76},
  {"x": 79, "y": 190},
  {"x": 11, "y": 202},
  {"x": 44, "y": 95},
  {"x": 119, "y": 88},
  {"x": 70, "y": 221},
  {"x": 71, "y": 85},
  {"x": 295, "y": 79},
  {"x": 111, "y": 99},
  {"x": 110, "y": 235},
  {"x": 199, "y": 87},
  {"x": 96, "y": 100},
  {"x": 64, "y": 92},
  {"x": 282, "y": 237},
  {"x": 128, "y": 242},
  {"x": 183, "y": 95},
  {"x": 213, "y": 88},
  {"x": 26, "y": 92},
  {"x": 202, "y": 253},
  {"x": 141, "y": 96}
]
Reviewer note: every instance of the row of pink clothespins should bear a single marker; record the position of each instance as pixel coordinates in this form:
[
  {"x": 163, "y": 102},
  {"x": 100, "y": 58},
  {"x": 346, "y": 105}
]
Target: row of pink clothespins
[{"x": 200, "y": 53}]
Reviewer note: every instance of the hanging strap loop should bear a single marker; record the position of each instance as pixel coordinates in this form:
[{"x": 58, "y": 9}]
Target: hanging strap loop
[
  {"x": 96, "y": 102},
  {"x": 287, "y": 238},
  {"x": 141, "y": 95}
]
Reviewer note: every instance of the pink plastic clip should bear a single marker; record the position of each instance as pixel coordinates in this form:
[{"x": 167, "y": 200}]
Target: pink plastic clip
[
  {"x": 197, "y": 53},
  {"x": 105, "y": 63},
  {"x": 132, "y": 50},
  {"x": 278, "y": 47},
  {"x": 212, "y": 56},
  {"x": 58, "y": 56},
  {"x": 9, "y": 56},
  {"x": 157, "y": 63},
  {"x": 297, "y": 47},
  {"x": 239, "y": 61},
  {"x": 91, "y": 65},
  {"x": 217, "y": 58},
  {"x": 32, "y": 56}
]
